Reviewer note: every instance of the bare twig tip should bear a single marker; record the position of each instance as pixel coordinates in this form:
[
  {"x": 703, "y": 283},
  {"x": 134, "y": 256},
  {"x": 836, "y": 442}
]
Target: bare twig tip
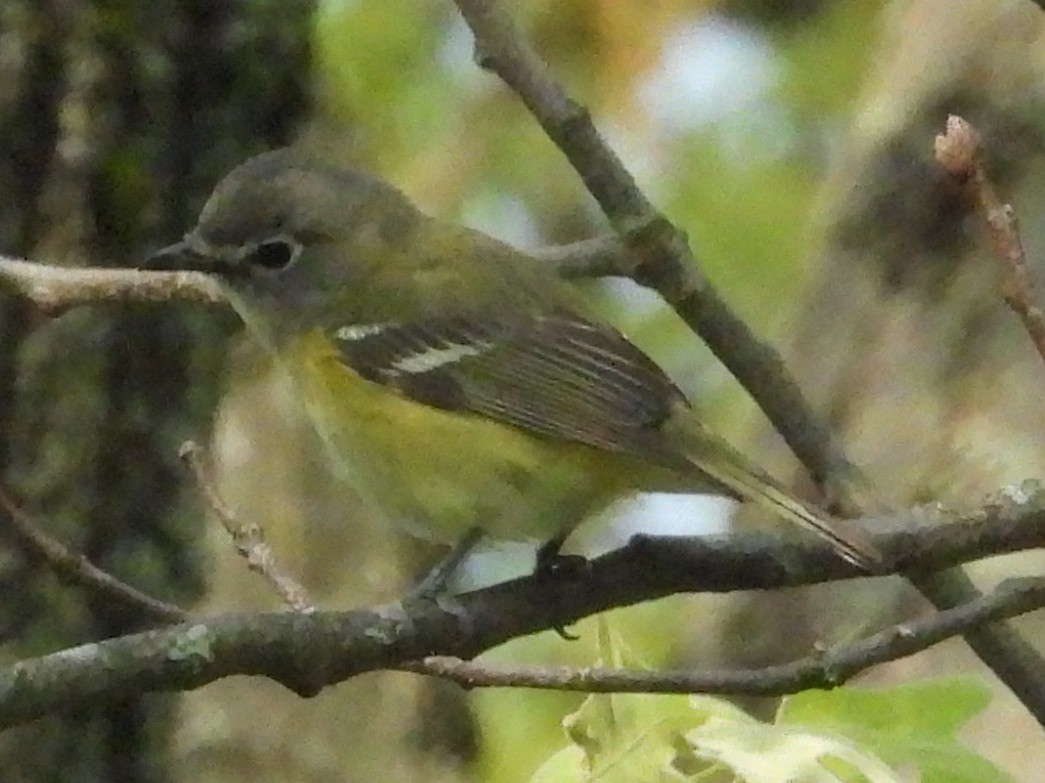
[
  {"x": 188, "y": 451},
  {"x": 959, "y": 152},
  {"x": 958, "y": 148}
]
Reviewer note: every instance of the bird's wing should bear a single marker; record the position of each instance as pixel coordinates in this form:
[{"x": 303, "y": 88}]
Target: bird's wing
[{"x": 556, "y": 375}]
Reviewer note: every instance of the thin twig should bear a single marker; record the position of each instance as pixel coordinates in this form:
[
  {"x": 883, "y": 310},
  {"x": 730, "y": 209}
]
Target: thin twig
[
  {"x": 821, "y": 669},
  {"x": 54, "y": 288},
  {"x": 247, "y": 537},
  {"x": 1012, "y": 658},
  {"x": 960, "y": 151},
  {"x": 77, "y": 569},
  {"x": 599, "y": 257}
]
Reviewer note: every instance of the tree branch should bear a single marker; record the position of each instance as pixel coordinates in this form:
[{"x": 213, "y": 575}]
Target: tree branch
[
  {"x": 599, "y": 257},
  {"x": 663, "y": 260},
  {"x": 960, "y": 152},
  {"x": 820, "y": 669},
  {"x": 306, "y": 652},
  {"x": 659, "y": 257}
]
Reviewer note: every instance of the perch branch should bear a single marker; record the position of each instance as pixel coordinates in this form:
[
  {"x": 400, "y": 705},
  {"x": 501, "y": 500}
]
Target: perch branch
[
  {"x": 821, "y": 669},
  {"x": 307, "y": 652}
]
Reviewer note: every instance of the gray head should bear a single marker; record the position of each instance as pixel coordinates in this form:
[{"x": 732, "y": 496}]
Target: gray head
[{"x": 283, "y": 230}]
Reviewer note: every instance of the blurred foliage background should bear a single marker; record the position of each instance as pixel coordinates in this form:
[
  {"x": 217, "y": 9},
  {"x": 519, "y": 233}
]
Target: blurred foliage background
[{"x": 792, "y": 141}]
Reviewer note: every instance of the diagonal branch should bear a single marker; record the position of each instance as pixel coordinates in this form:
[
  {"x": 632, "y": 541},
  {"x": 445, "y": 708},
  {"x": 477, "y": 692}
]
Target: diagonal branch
[
  {"x": 960, "y": 152},
  {"x": 660, "y": 255},
  {"x": 664, "y": 261},
  {"x": 247, "y": 537}
]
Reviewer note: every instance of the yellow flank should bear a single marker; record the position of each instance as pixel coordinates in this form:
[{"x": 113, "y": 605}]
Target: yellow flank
[{"x": 440, "y": 472}]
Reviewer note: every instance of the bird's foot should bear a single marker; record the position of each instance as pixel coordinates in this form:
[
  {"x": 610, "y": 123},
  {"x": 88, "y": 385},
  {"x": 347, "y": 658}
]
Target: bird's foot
[
  {"x": 561, "y": 571},
  {"x": 433, "y": 586}
]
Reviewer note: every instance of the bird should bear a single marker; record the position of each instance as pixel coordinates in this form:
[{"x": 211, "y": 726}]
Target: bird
[{"x": 456, "y": 381}]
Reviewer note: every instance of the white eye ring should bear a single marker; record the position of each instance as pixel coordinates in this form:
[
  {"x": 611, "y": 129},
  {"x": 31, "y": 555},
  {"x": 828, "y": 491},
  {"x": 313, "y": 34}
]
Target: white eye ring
[{"x": 274, "y": 254}]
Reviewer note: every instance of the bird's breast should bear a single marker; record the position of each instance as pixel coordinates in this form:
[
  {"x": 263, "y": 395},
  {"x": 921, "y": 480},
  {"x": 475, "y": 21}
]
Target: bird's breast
[{"x": 441, "y": 472}]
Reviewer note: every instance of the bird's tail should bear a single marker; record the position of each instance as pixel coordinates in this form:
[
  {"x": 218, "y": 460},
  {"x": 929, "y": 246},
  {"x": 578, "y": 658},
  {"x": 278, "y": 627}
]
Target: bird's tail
[{"x": 716, "y": 458}]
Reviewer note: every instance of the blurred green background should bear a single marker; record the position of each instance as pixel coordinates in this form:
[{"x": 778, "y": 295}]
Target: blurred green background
[{"x": 793, "y": 142}]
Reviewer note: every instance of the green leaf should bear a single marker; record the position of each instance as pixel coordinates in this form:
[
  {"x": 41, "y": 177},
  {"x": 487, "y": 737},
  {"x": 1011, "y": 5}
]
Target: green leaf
[
  {"x": 913, "y": 724},
  {"x": 763, "y": 753},
  {"x": 847, "y": 735},
  {"x": 631, "y": 738},
  {"x": 621, "y": 737}
]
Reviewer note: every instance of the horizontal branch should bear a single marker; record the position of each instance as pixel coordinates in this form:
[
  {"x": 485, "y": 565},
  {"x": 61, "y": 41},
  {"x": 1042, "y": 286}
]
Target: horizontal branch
[
  {"x": 53, "y": 288},
  {"x": 599, "y": 257},
  {"x": 820, "y": 669},
  {"x": 307, "y": 652}
]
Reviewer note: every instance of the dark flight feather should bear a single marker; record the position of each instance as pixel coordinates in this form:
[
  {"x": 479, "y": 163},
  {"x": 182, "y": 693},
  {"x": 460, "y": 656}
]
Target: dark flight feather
[{"x": 556, "y": 375}]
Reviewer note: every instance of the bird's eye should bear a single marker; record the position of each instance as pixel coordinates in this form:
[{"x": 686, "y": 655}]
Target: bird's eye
[{"x": 276, "y": 253}]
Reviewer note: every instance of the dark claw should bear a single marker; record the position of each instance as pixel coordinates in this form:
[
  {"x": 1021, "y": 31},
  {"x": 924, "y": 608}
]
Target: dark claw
[
  {"x": 565, "y": 634},
  {"x": 560, "y": 570}
]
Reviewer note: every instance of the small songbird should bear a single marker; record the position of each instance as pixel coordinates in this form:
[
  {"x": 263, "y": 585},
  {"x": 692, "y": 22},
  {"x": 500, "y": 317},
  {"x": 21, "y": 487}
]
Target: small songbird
[{"x": 456, "y": 381}]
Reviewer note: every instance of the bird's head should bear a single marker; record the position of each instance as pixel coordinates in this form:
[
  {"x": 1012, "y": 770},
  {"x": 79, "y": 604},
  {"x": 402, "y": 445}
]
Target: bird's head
[{"x": 288, "y": 237}]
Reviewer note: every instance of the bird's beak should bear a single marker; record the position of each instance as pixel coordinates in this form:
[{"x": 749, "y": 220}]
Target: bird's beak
[
  {"x": 174, "y": 257},
  {"x": 184, "y": 256}
]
